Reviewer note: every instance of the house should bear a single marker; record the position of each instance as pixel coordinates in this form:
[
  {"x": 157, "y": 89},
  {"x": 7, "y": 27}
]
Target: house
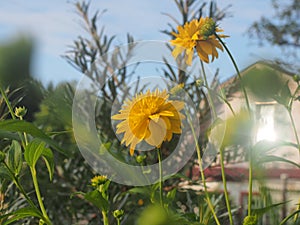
[{"x": 274, "y": 181}]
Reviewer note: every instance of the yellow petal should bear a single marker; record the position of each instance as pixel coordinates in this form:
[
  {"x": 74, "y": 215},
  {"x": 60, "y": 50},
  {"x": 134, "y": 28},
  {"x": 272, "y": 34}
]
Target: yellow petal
[
  {"x": 178, "y": 105},
  {"x": 189, "y": 57},
  {"x": 167, "y": 122},
  {"x": 203, "y": 56},
  {"x": 119, "y": 116},
  {"x": 157, "y": 132},
  {"x": 166, "y": 113},
  {"x": 206, "y": 47},
  {"x": 177, "y": 50}
]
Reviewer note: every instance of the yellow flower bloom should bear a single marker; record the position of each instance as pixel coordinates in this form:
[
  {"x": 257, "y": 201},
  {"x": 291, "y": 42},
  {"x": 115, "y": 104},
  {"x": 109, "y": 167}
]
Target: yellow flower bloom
[
  {"x": 199, "y": 35},
  {"x": 150, "y": 117}
]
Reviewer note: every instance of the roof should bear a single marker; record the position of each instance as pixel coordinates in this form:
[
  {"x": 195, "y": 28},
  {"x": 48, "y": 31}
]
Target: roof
[{"x": 241, "y": 173}]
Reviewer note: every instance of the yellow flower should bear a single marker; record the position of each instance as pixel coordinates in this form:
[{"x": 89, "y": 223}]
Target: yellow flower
[
  {"x": 199, "y": 35},
  {"x": 150, "y": 117}
]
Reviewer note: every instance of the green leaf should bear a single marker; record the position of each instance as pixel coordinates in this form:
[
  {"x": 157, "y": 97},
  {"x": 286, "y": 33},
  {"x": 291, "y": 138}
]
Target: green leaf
[
  {"x": 260, "y": 212},
  {"x": 264, "y": 146},
  {"x": 47, "y": 156},
  {"x": 9, "y": 135},
  {"x": 289, "y": 217},
  {"x": 14, "y": 157},
  {"x": 171, "y": 195},
  {"x": 20, "y": 214},
  {"x": 96, "y": 198},
  {"x": 273, "y": 158},
  {"x": 4, "y": 173},
  {"x": 33, "y": 152},
  {"x": 29, "y": 128},
  {"x": 284, "y": 96},
  {"x": 140, "y": 190}
]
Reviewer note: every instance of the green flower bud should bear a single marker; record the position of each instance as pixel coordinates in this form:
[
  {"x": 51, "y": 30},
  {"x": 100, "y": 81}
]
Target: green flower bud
[
  {"x": 250, "y": 220},
  {"x": 140, "y": 159},
  {"x": 98, "y": 180},
  {"x": 175, "y": 90},
  {"x": 20, "y": 111},
  {"x": 208, "y": 28},
  {"x": 199, "y": 82},
  {"x": 118, "y": 213}
]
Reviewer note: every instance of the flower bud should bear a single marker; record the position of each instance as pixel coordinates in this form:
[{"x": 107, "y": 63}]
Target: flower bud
[
  {"x": 20, "y": 111},
  {"x": 175, "y": 90},
  {"x": 140, "y": 159},
  {"x": 199, "y": 82},
  {"x": 250, "y": 220},
  {"x": 208, "y": 28},
  {"x": 118, "y": 213},
  {"x": 98, "y": 180}
]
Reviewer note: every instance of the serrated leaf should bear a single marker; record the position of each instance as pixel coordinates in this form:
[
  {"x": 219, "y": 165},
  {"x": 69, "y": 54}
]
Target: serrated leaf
[
  {"x": 33, "y": 152},
  {"x": 29, "y": 128},
  {"x": 47, "y": 156},
  {"x": 20, "y": 214},
  {"x": 14, "y": 157},
  {"x": 96, "y": 198}
]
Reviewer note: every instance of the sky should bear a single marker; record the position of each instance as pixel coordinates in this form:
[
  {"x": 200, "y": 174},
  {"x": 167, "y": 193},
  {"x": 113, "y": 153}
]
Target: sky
[{"x": 54, "y": 25}]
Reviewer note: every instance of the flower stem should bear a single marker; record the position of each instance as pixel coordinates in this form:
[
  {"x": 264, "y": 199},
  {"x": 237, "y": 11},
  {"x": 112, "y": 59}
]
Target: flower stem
[
  {"x": 19, "y": 186},
  {"x": 38, "y": 195},
  {"x": 105, "y": 218},
  {"x": 208, "y": 92},
  {"x": 225, "y": 186},
  {"x": 160, "y": 177},
  {"x": 298, "y": 146},
  {"x": 11, "y": 111},
  {"x": 236, "y": 69},
  {"x": 209, "y": 203},
  {"x": 250, "y": 184}
]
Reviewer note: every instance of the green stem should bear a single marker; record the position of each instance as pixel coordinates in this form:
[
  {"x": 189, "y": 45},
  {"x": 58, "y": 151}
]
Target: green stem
[
  {"x": 105, "y": 218},
  {"x": 208, "y": 91},
  {"x": 118, "y": 221},
  {"x": 236, "y": 69},
  {"x": 294, "y": 128},
  {"x": 19, "y": 186},
  {"x": 250, "y": 184},
  {"x": 25, "y": 135},
  {"x": 160, "y": 177},
  {"x": 298, "y": 146},
  {"x": 11, "y": 111},
  {"x": 38, "y": 195},
  {"x": 225, "y": 186},
  {"x": 209, "y": 203}
]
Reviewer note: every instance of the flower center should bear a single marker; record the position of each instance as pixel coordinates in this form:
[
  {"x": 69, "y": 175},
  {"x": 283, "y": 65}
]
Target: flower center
[{"x": 208, "y": 28}]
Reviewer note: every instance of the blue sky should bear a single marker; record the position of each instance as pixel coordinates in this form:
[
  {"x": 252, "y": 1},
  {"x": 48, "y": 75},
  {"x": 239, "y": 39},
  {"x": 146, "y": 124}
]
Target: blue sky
[{"x": 54, "y": 25}]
